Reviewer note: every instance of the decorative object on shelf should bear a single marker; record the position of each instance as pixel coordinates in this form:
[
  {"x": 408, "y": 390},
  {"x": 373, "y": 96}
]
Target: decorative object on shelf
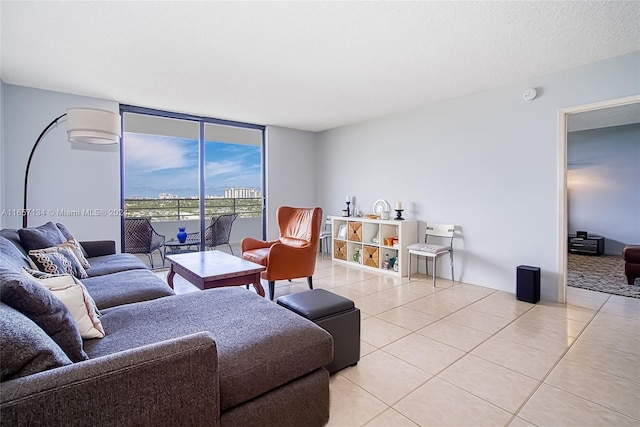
[
  {"x": 356, "y": 255},
  {"x": 399, "y": 215},
  {"x": 342, "y": 232},
  {"x": 396, "y": 264},
  {"x": 87, "y": 125},
  {"x": 382, "y": 207},
  {"x": 386, "y": 264},
  {"x": 371, "y": 216},
  {"x": 348, "y": 203},
  {"x": 358, "y": 212},
  {"x": 398, "y": 205},
  {"x": 182, "y": 234}
]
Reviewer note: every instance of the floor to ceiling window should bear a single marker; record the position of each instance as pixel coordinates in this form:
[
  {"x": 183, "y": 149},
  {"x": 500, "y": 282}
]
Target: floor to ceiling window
[{"x": 180, "y": 171}]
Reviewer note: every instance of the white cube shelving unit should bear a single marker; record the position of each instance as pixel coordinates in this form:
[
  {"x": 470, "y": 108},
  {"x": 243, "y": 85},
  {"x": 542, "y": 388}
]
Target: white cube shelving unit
[{"x": 361, "y": 233}]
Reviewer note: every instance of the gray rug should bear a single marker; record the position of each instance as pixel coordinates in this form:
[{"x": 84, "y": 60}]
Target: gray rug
[{"x": 603, "y": 273}]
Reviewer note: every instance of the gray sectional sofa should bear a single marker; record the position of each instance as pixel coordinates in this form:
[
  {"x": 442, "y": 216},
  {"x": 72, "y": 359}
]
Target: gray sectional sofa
[{"x": 217, "y": 357}]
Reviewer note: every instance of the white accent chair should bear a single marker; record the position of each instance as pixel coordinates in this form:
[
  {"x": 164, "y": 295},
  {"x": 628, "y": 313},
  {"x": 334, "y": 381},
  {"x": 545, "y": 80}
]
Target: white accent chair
[
  {"x": 433, "y": 250},
  {"x": 325, "y": 238}
]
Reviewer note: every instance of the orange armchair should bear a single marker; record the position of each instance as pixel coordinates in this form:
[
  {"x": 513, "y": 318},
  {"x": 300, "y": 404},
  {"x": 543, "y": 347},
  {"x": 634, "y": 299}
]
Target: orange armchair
[{"x": 294, "y": 253}]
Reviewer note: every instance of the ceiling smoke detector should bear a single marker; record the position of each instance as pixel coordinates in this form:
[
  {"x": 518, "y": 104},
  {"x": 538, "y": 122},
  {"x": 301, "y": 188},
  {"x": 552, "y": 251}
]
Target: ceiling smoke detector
[{"x": 530, "y": 94}]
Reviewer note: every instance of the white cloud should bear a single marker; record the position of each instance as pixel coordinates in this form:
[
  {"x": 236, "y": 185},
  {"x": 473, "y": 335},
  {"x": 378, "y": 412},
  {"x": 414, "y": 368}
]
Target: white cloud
[
  {"x": 221, "y": 168},
  {"x": 147, "y": 153}
]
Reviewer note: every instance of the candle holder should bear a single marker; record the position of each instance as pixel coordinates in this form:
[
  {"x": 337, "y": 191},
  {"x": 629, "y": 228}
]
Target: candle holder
[
  {"x": 348, "y": 212},
  {"x": 399, "y": 215}
]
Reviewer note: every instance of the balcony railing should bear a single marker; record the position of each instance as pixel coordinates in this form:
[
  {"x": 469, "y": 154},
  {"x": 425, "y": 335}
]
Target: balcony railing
[{"x": 184, "y": 209}]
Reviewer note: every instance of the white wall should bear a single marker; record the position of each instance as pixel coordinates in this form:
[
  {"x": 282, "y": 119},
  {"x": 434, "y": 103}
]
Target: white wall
[
  {"x": 604, "y": 184},
  {"x": 63, "y": 176},
  {"x": 486, "y": 162},
  {"x": 292, "y": 172}
]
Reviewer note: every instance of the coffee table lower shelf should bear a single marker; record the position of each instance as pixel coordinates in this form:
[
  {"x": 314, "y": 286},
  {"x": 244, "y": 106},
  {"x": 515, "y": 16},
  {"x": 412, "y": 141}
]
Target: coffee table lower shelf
[{"x": 215, "y": 269}]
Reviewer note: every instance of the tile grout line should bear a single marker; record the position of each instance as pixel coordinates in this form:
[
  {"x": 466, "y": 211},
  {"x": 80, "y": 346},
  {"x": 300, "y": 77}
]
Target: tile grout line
[{"x": 555, "y": 365}]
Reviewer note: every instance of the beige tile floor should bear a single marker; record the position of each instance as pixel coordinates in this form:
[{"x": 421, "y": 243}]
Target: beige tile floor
[{"x": 465, "y": 355}]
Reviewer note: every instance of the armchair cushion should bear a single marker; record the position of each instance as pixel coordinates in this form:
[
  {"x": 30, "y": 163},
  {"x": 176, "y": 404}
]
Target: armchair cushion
[
  {"x": 293, "y": 242},
  {"x": 259, "y": 256}
]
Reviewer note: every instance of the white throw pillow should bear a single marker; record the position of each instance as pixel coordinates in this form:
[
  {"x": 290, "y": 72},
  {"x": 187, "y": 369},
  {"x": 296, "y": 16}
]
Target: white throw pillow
[{"x": 76, "y": 298}]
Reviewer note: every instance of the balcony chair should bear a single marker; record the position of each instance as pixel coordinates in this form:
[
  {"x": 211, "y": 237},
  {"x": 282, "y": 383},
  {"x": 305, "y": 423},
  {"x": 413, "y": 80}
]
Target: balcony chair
[
  {"x": 433, "y": 250},
  {"x": 294, "y": 253},
  {"x": 219, "y": 231},
  {"x": 141, "y": 238}
]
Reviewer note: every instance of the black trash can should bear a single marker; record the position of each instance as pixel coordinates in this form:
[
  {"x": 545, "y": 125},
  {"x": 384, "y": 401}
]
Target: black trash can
[
  {"x": 335, "y": 314},
  {"x": 528, "y": 284}
]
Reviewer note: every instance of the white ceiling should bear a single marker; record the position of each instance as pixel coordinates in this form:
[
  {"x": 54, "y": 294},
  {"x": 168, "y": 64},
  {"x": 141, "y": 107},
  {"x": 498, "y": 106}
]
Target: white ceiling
[
  {"x": 303, "y": 65},
  {"x": 606, "y": 117}
]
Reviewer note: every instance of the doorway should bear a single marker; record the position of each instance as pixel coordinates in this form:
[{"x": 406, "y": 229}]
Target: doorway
[{"x": 563, "y": 130}]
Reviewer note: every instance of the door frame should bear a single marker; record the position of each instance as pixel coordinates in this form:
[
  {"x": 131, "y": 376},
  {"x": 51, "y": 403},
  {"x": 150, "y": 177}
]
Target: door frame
[{"x": 563, "y": 218}]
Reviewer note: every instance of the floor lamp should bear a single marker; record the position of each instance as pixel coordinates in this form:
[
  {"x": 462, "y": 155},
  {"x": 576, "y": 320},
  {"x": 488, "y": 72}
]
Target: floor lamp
[{"x": 88, "y": 125}]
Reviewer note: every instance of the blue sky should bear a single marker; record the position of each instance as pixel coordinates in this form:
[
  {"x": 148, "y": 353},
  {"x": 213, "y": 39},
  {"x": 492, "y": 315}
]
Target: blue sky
[{"x": 162, "y": 164}]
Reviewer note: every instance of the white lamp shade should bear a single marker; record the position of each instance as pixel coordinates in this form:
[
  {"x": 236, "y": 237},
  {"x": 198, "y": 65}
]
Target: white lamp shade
[{"x": 93, "y": 126}]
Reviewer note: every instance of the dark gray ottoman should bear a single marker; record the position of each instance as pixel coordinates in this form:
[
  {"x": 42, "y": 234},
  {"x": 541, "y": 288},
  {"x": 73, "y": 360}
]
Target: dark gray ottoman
[{"x": 336, "y": 315}]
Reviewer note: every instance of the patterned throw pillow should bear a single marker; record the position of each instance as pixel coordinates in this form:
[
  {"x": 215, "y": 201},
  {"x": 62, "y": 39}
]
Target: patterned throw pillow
[
  {"x": 58, "y": 260},
  {"x": 67, "y": 235},
  {"x": 76, "y": 248}
]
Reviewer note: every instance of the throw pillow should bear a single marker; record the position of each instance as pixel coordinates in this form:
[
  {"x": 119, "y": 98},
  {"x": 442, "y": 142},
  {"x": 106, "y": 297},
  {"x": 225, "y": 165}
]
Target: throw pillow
[
  {"x": 77, "y": 250},
  {"x": 76, "y": 298},
  {"x": 25, "y": 348},
  {"x": 44, "y": 236},
  {"x": 26, "y": 295},
  {"x": 58, "y": 260},
  {"x": 67, "y": 235}
]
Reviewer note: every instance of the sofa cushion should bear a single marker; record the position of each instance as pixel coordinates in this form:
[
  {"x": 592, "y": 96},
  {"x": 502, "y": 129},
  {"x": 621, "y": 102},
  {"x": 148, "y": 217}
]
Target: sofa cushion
[
  {"x": 26, "y": 295},
  {"x": 261, "y": 345},
  {"x": 25, "y": 348},
  {"x": 43, "y": 236},
  {"x": 12, "y": 256},
  {"x": 126, "y": 287},
  {"x": 75, "y": 296},
  {"x": 58, "y": 260},
  {"x": 114, "y": 263}
]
